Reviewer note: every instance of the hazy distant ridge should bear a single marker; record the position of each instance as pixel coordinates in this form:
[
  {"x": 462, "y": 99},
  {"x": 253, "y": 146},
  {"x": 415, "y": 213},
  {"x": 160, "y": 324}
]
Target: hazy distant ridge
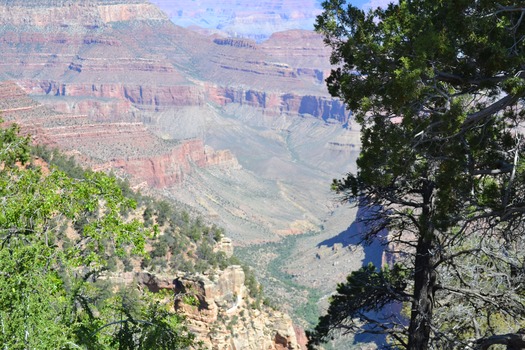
[{"x": 242, "y": 18}]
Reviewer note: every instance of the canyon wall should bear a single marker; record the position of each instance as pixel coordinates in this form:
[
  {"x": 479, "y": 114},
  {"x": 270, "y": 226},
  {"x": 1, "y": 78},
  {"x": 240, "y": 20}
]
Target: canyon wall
[
  {"x": 128, "y": 51},
  {"x": 121, "y": 146},
  {"x": 278, "y": 103},
  {"x": 83, "y": 13},
  {"x": 159, "y": 98},
  {"x": 136, "y": 91}
]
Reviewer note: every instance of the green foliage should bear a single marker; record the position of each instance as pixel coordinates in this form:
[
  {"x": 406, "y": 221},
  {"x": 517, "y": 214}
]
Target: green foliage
[
  {"x": 189, "y": 240},
  {"x": 303, "y": 306},
  {"x": 250, "y": 281},
  {"x": 47, "y": 297},
  {"x": 366, "y": 290},
  {"x": 130, "y": 321},
  {"x": 437, "y": 88},
  {"x": 68, "y": 165},
  {"x": 190, "y": 300}
]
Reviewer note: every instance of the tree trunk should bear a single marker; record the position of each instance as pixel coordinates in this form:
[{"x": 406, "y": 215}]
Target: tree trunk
[{"x": 423, "y": 304}]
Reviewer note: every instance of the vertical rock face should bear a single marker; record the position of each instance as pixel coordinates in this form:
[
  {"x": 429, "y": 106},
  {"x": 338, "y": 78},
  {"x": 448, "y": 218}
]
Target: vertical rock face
[
  {"x": 276, "y": 103},
  {"x": 222, "y": 314},
  {"x": 225, "y": 317}
]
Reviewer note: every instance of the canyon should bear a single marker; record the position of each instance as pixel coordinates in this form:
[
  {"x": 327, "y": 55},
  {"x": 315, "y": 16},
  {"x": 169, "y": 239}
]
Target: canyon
[
  {"x": 240, "y": 129},
  {"x": 132, "y": 73},
  {"x": 128, "y": 148}
]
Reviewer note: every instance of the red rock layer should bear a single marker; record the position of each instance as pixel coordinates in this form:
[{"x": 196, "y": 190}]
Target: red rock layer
[
  {"x": 169, "y": 168},
  {"x": 124, "y": 146},
  {"x": 128, "y": 50},
  {"x": 140, "y": 96}
]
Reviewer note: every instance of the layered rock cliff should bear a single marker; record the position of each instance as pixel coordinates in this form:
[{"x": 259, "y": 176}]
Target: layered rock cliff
[
  {"x": 166, "y": 169},
  {"x": 276, "y": 103},
  {"x": 129, "y": 51},
  {"x": 125, "y": 146}
]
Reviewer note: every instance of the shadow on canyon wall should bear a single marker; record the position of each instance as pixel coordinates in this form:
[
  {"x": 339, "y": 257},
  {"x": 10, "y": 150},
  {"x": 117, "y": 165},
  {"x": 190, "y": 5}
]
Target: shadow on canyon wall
[
  {"x": 353, "y": 236},
  {"x": 373, "y": 253}
]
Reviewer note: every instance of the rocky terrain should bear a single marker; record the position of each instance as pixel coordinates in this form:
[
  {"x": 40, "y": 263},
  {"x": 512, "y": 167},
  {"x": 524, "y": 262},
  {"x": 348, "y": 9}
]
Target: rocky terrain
[
  {"x": 224, "y": 315},
  {"x": 217, "y": 304},
  {"x": 244, "y": 132},
  {"x": 219, "y": 308}
]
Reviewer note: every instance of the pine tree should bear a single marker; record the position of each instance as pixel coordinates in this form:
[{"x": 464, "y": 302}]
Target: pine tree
[{"x": 437, "y": 88}]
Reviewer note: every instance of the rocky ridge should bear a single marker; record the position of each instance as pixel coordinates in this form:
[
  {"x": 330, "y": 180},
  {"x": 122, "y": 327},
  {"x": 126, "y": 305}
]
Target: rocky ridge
[
  {"x": 125, "y": 146},
  {"x": 220, "y": 311},
  {"x": 219, "y": 307}
]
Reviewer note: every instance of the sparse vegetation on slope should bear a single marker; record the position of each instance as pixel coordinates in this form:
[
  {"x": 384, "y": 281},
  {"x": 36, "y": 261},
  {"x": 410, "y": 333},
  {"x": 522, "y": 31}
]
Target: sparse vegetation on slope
[
  {"x": 180, "y": 243},
  {"x": 282, "y": 291},
  {"x": 188, "y": 261}
]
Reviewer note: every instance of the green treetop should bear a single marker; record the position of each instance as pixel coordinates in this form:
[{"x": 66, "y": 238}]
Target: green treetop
[{"x": 437, "y": 88}]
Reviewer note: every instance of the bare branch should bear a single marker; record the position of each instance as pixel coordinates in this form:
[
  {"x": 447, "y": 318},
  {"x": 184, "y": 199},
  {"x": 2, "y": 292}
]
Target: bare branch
[
  {"x": 511, "y": 340},
  {"x": 494, "y": 108},
  {"x": 457, "y": 79}
]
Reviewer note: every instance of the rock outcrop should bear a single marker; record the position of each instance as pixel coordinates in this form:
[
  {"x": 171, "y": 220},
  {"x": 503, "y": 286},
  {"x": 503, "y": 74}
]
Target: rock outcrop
[
  {"x": 218, "y": 307},
  {"x": 223, "y": 315}
]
